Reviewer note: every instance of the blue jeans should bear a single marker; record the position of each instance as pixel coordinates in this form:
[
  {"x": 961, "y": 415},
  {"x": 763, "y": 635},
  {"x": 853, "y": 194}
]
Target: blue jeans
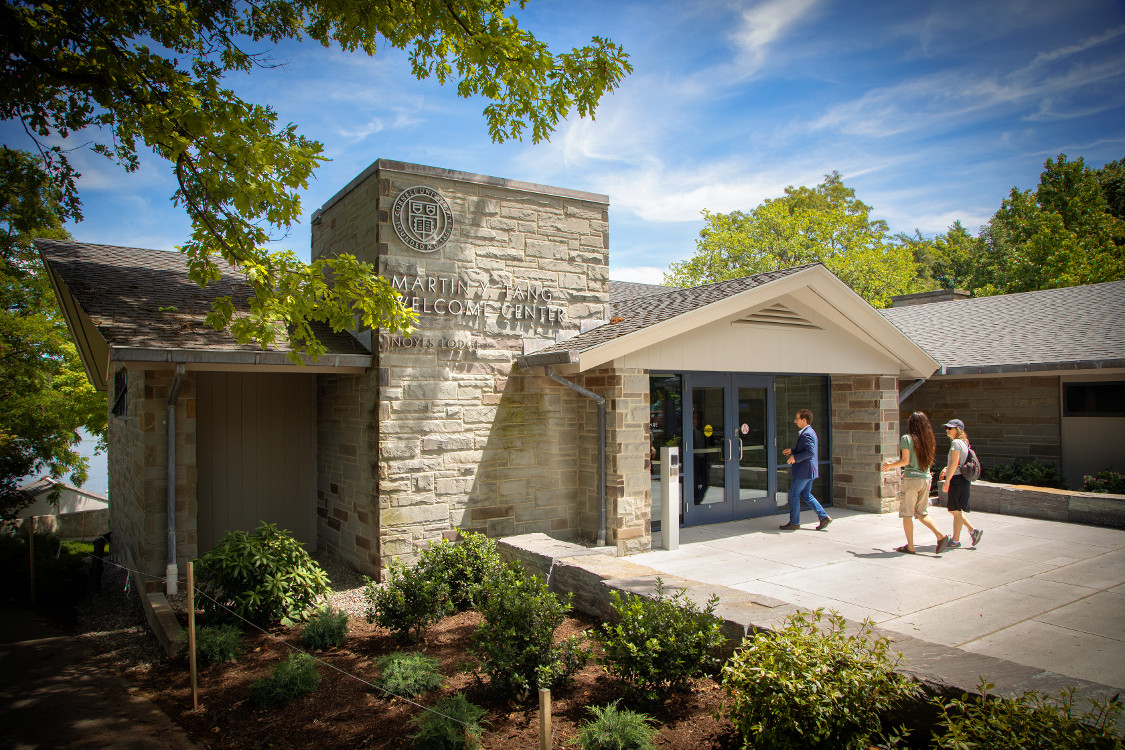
[{"x": 801, "y": 489}]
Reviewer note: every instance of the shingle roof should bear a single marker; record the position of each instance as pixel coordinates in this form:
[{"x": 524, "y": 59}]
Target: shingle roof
[
  {"x": 123, "y": 288},
  {"x": 637, "y": 313},
  {"x": 1071, "y": 328},
  {"x": 620, "y": 291}
]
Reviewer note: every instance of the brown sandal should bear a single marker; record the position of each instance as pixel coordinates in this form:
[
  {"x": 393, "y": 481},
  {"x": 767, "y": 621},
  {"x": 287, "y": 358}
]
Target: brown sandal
[{"x": 905, "y": 549}]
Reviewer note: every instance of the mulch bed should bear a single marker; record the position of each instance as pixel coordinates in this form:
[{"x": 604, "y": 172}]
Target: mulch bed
[{"x": 346, "y": 712}]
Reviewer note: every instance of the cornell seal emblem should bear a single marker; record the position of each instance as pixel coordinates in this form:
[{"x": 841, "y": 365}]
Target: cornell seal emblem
[{"x": 422, "y": 218}]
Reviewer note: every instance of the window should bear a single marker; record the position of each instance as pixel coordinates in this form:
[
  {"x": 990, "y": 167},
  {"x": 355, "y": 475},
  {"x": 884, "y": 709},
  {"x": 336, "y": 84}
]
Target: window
[
  {"x": 1104, "y": 399},
  {"x": 120, "y": 390}
]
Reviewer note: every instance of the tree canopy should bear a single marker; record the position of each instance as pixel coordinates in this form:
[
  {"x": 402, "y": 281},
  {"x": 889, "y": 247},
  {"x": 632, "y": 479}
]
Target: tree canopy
[
  {"x": 1068, "y": 231},
  {"x": 826, "y": 224},
  {"x": 135, "y": 76},
  {"x": 45, "y": 396}
]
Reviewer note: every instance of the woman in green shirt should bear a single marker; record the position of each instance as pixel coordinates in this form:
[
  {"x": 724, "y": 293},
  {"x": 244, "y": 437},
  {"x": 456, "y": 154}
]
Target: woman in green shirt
[{"x": 917, "y": 448}]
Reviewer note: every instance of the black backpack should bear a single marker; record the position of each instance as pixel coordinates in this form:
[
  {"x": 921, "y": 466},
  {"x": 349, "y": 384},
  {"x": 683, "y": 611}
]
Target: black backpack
[{"x": 970, "y": 469}]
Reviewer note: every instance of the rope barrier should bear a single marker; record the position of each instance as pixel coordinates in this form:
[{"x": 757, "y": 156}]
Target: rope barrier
[{"x": 318, "y": 660}]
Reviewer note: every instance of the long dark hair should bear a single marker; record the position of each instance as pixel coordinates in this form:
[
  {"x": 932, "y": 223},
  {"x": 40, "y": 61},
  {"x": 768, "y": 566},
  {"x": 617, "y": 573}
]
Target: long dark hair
[{"x": 922, "y": 435}]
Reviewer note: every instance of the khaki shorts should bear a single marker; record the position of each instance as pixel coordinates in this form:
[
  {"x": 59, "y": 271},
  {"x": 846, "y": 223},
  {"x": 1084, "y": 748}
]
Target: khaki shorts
[{"x": 915, "y": 497}]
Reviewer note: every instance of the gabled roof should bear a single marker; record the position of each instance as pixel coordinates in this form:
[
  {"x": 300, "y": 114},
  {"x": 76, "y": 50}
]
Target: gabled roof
[
  {"x": 1072, "y": 328},
  {"x": 620, "y": 291},
  {"x": 134, "y": 305},
  {"x": 638, "y": 321}
]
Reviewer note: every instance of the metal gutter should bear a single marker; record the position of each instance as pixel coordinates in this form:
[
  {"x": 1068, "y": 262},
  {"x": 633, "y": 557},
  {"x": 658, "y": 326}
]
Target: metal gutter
[{"x": 326, "y": 362}]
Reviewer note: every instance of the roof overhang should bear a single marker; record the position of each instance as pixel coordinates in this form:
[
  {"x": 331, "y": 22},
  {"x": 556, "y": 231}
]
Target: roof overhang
[
  {"x": 240, "y": 359},
  {"x": 97, "y": 354},
  {"x": 91, "y": 345},
  {"x": 823, "y": 291}
]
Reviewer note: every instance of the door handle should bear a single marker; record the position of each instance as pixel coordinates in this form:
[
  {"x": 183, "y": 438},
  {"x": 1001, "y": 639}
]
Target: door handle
[
  {"x": 740, "y": 450},
  {"x": 728, "y": 449}
]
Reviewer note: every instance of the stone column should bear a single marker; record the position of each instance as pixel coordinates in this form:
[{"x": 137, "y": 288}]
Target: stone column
[{"x": 864, "y": 432}]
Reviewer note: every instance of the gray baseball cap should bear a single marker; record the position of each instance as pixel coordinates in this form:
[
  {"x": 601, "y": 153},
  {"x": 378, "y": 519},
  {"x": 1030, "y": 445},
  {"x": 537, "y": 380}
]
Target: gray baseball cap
[{"x": 955, "y": 423}]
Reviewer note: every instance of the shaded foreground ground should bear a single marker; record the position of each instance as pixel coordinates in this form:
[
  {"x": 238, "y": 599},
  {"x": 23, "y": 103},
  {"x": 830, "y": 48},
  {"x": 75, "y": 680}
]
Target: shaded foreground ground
[{"x": 346, "y": 712}]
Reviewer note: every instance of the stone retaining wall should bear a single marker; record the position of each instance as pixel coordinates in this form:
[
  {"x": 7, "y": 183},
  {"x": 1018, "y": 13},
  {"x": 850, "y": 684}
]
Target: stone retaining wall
[
  {"x": 590, "y": 575},
  {"x": 1093, "y": 508}
]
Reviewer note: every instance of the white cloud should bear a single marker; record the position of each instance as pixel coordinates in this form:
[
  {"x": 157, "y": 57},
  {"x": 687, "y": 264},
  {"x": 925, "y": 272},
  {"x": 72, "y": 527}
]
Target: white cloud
[
  {"x": 372, "y": 126},
  {"x": 764, "y": 24}
]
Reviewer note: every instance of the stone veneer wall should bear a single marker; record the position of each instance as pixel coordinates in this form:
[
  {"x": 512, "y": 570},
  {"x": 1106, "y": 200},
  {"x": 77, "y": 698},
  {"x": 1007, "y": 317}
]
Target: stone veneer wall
[
  {"x": 347, "y": 502},
  {"x": 865, "y": 430},
  {"x": 137, "y": 476},
  {"x": 464, "y": 439},
  {"x": 628, "y": 475},
  {"x": 1006, "y": 418}
]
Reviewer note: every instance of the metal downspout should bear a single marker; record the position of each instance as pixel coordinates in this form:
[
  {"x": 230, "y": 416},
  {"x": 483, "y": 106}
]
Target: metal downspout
[
  {"x": 172, "y": 571},
  {"x": 601, "y": 445},
  {"x": 905, "y": 392}
]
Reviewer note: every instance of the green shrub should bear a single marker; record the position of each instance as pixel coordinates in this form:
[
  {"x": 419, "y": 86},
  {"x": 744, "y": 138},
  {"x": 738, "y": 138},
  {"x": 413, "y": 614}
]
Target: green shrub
[
  {"x": 467, "y": 567},
  {"x": 61, "y": 578},
  {"x": 451, "y": 724},
  {"x": 616, "y": 729},
  {"x": 293, "y": 677},
  {"x": 515, "y": 640},
  {"x": 327, "y": 628},
  {"x": 1033, "y": 473},
  {"x": 408, "y": 603},
  {"x": 408, "y": 673},
  {"x": 215, "y": 644},
  {"x": 1105, "y": 481},
  {"x": 808, "y": 686},
  {"x": 1033, "y": 721},
  {"x": 265, "y": 578},
  {"x": 658, "y": 646}
]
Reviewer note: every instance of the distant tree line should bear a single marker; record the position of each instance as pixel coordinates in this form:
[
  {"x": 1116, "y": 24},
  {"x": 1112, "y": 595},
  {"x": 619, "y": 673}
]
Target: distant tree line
[{"x": 1069, "y": 230}]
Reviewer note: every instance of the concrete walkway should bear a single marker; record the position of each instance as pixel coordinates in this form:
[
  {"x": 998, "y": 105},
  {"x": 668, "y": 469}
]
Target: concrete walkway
[
  {"x": 52, "y": 697},
  {"x": 1042, "y": 594}
]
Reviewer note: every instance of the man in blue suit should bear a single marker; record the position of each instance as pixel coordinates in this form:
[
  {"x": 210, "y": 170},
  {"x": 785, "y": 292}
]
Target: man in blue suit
[{"x": 803, "y": 462}]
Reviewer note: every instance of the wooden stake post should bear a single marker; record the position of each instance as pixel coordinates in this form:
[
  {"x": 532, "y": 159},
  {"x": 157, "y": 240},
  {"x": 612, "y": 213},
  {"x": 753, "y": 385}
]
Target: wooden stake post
[
  {"x": 191, "y": 634},
  {"x": 544, "y": 719}
]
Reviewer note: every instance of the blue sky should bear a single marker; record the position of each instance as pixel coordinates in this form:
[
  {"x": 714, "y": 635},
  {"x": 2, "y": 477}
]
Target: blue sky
[{"x": 932, "y": 111}]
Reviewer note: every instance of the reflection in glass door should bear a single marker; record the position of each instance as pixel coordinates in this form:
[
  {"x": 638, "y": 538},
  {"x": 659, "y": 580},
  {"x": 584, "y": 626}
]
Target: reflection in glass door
[
  {"x": 730, "y": 442},
  {"x": 755, "y": 459},
  {"x": 708, "y": 413}
]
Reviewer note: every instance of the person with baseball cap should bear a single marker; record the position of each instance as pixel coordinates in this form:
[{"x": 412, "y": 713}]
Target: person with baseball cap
[{"x": 955, "y": 486}]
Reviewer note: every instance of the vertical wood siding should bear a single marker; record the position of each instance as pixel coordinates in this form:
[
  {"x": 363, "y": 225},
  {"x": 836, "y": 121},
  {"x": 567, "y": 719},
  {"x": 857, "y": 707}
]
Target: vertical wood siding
[{"x": 256, "y": 454}]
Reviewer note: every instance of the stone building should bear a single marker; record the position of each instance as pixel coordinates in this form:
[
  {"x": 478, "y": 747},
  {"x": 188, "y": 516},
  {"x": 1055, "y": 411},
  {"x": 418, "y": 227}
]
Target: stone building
[
  {"x": 534, "y": 395},
  {"x": 1037, "y": 376}
]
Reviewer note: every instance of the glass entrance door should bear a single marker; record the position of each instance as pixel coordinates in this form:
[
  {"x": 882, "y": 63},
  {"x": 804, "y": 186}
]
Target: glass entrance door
[{"x": 729, "y": 436}]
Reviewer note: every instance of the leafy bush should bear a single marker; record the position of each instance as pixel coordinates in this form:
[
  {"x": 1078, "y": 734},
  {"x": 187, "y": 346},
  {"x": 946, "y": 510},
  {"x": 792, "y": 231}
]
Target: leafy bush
[
  {"x": 327, "y": 628},
  {"x": 658, "y": 646},
  {"x": 1033, "y": 721},
  {"x": 293, "y": 677},
  {"x": 408, "y": 673},
  {"x": 408, "y": 603},
  {"x": 466, "y": 567},
  {"x": 1105, "y": 481},
  {"x": 265, "y": 578},
  {"x": 60, "y": 577},
  {"x": 215, "y": 644},
  {"x": 616, "y": 729},
  {"x": 452, "y": 724},
  {"x": 1034, "y": 473},
  {"x": 804, "y": 686},
  {"x": 515, "y": 641}
]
